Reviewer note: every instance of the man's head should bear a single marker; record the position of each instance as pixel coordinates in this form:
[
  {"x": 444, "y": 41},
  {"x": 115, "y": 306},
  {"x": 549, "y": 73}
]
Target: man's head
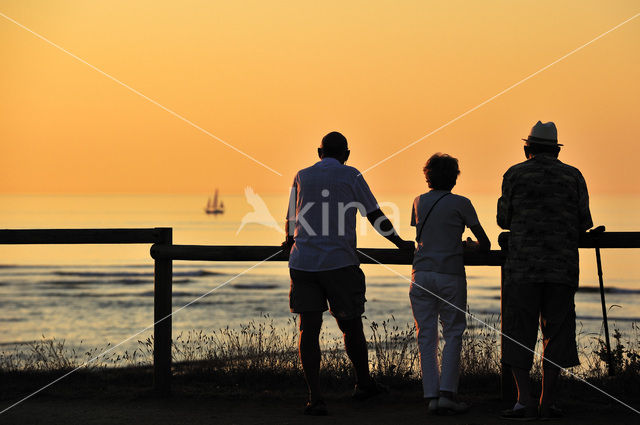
[
  {"x": 543, "y": 139},
  {"x": 334, "y": 145},
  {"x": 441, "y": 171}
]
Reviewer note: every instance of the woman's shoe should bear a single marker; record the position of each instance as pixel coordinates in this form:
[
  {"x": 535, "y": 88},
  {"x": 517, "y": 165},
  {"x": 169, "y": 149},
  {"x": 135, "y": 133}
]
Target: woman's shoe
[
  {"x": 549, "y": 413},
  {"x": 432, "y": 406},
  {"x": 446, "y": 406}
]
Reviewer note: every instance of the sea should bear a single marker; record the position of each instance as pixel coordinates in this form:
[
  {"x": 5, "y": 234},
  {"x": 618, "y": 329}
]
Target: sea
[{"x": 93, "y": 295}]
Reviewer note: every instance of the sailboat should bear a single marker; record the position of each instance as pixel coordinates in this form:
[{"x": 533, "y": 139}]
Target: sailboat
[{"x": 212, "y": 205}]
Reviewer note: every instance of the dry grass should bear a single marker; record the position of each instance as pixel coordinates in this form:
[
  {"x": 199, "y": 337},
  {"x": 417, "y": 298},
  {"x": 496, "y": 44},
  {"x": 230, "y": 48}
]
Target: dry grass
[{"x": 262, "y": 354}]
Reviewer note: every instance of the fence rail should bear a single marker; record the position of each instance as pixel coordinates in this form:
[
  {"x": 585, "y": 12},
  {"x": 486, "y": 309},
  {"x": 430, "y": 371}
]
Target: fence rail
[
  {"x": 164, "y": 252},
  {"x": 260, "y": 253},
  {"x": 162, "y": 278},
  {"x": 81, "y": 236}
]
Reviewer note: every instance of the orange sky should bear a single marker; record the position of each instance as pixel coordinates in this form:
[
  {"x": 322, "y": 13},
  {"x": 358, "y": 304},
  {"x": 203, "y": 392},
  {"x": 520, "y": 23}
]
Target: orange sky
[{"x": 272, "y": 78}]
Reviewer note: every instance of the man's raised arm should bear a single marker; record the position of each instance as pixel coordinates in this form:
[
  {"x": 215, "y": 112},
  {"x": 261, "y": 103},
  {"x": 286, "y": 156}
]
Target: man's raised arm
[{"x": 383, "y": 225}]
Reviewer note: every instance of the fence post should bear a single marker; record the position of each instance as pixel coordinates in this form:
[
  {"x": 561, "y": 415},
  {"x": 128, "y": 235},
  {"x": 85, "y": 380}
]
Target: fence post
[
  {"x": 507, "y": 386},
  {"x": 162, "y": 307}
]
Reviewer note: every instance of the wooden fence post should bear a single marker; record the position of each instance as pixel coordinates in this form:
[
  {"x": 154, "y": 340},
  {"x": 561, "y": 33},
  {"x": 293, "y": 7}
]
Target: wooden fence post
[
  {"x": 162, "y": 308},
  {"x": 507, "y": 386}
]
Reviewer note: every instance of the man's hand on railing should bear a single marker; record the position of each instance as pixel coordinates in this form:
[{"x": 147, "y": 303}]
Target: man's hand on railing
[
  {"x": 470, "y": 245},
  {"x": 503, "y": 240},
  {"x": 287, "y": 244},
  {"x": 405, "y": 245}
]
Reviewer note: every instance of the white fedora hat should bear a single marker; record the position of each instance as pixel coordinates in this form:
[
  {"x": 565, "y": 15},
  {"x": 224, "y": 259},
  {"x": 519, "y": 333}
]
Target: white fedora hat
[{"x": 543, "y": 134}]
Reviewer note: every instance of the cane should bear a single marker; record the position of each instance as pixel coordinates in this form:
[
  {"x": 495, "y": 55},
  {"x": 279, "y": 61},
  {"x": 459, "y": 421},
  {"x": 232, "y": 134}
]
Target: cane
[{"x": 598, "y": 231}]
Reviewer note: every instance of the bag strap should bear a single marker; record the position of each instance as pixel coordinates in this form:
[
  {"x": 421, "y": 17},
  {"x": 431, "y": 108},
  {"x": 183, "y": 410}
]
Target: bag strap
[{"x": 427, "y": 216}]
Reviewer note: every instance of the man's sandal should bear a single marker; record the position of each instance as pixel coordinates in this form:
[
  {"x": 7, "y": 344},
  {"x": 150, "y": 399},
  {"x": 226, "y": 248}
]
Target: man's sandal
[
  {"x": 521, "y": 414},
  {"x": 317, "y": 408},
  {"x": 364, "y": 393},
  {"x": 550, "y": 413}
]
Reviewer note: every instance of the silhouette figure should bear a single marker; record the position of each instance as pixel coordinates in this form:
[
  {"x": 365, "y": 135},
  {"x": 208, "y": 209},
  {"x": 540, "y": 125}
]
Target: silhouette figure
[
  {"x": 545, "y": 204},
  {"x": 438, "y": 286},
  {"x": 324, "y": 265},
  {"x": 260, "y": 213}
]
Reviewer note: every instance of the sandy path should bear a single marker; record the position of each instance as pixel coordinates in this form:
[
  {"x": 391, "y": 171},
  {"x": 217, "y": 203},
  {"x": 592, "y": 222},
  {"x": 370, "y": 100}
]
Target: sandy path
[{"x": 273, "y": 409}]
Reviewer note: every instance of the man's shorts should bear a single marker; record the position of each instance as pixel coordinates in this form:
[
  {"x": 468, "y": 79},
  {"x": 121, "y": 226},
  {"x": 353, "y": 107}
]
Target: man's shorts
[
  {"x": 525, "y": 306},
  {"x": 343, "y": 288}
]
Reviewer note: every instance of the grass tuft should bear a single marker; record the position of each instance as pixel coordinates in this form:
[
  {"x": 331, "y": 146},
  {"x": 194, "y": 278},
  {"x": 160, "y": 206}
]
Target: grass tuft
[{"x": 262, "y": 355}]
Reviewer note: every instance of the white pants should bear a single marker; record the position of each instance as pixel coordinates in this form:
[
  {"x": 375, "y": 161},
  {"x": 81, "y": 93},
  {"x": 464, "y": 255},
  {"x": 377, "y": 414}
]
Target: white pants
[{"x": 426, "y": 306}]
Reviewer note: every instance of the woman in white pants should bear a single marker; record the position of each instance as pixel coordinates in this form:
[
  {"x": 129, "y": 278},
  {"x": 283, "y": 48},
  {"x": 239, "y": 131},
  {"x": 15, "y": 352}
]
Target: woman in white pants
[{"x": 439, "y": 286}]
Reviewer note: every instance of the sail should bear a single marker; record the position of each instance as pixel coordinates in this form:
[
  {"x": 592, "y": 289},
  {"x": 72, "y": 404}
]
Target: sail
[
  {"x": 212, "y": 204},
  {"x": 215, "y": 200}
]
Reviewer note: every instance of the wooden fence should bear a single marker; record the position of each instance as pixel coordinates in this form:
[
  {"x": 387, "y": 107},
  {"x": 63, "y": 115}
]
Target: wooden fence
[
  {"x": 162, "y": 278},
  {"x": 164, "y": 252}
]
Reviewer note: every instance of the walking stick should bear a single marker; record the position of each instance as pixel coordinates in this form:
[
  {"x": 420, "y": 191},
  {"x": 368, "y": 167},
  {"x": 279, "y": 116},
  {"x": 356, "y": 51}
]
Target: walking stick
[{"x": 599, "y": 230}]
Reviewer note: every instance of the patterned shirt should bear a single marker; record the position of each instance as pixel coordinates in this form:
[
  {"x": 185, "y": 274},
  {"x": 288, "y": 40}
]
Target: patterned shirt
[{"x": 545, "y": 204}]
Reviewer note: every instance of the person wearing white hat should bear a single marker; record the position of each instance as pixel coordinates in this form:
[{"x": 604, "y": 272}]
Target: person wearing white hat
[{"x": 545, "y": 205}]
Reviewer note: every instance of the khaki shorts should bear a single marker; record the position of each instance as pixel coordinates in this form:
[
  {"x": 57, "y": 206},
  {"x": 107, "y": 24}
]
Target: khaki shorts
[
  {"x": 552, "y": 307},
  {"x": 342, "y": 288}
]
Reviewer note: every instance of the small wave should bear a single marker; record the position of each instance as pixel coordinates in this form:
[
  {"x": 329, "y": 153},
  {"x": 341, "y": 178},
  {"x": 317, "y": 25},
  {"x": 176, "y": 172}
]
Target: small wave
[
  {"x": 611, "y": 319},
  {"x": 125, "y": 304},
  {"x": 255, "y": 286},
  {"x": 187, "y": 294},
  {"x": 74, "y": 283},
  {"x": 202, "y": 273},
  {"x": 98, "y": 274},
  {"x": 12, "y": 319},
  {"x": 80, "y": 295},
  {"x": 484, "y": 288},
  {"x": 487, "y": 297},
  {"x": 483, "y": 314},
  {"x": 193, "y": 273},
  {"x": 584, "y": 289},
  {"x": 175, "y": 294},
  {"x": 388, "y": 285},
  {"x": 207, "y": 302},
  {"x": 608, "y": 290},
  {"x": 73, "y": 266}
]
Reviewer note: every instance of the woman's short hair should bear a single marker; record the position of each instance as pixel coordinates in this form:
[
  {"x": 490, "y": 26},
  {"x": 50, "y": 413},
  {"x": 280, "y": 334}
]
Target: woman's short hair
[{"x": 441, "y": 171}]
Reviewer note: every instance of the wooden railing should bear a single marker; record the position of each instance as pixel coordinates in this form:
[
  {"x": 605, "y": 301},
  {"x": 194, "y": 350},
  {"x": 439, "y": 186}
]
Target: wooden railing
[
  {"x": 162, "y": 278},
  {"x": 164, "y": 252}
]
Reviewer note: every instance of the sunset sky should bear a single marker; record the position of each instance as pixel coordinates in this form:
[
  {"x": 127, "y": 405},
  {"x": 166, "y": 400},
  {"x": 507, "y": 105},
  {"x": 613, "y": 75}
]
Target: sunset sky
[{"x": 271, "y": 78}]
